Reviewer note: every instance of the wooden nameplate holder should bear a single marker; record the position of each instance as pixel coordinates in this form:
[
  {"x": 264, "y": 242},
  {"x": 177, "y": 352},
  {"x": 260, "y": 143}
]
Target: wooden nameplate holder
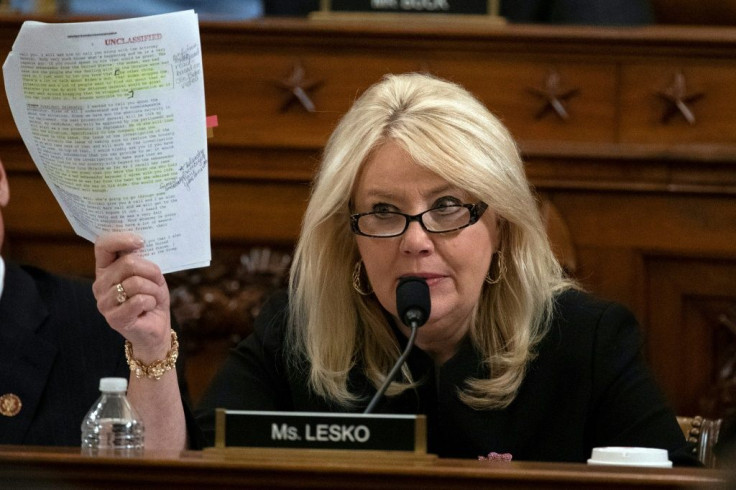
[
  {"x": 485, "y": 12},
  {"x": 305, "y": 436}
]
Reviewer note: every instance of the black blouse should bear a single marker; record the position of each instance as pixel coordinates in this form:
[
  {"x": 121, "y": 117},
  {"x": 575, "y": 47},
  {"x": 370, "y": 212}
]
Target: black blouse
[{"x": 587, "y": 387}]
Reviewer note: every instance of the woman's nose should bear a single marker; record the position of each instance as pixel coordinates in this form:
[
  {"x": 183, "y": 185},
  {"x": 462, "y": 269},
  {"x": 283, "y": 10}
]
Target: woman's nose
[{"x": 416, "y": 240}]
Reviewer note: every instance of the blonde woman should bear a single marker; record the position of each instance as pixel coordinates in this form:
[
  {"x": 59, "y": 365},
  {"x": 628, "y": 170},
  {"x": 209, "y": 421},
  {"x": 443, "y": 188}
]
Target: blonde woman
[{"x": 420, "y": 179}]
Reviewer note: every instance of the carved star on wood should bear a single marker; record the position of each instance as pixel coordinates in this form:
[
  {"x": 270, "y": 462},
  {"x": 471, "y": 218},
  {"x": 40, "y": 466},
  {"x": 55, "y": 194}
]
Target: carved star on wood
[
  {"x": 298, "y": 88},
  {"x": 677, "y": 98},
  {"x": 554, "y": 96}
]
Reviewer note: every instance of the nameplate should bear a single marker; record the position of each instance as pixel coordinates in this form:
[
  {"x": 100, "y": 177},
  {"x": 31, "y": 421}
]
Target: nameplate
[
  {"x": 318, "y": 430},
  {"x": 473, "y": 7}
]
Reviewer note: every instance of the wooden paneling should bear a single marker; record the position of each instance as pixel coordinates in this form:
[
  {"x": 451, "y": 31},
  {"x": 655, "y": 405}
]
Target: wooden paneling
[
  {"x": 695, "y": 354},
  {"x": 263, "y": 212},
  {"x": 649, "y": 206},
  {"x": 715, "y": 112},
  {"x": 506, "y": 85}
]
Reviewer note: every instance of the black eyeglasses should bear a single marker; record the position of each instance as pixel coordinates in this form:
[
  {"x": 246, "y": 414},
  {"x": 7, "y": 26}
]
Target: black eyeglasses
[{"x": 442, "y": 219}]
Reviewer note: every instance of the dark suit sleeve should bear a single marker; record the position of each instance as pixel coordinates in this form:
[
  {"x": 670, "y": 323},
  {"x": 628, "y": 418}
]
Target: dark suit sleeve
[
  {"x": 55, "y": 347},
  {"x": 629, "y": 407}
]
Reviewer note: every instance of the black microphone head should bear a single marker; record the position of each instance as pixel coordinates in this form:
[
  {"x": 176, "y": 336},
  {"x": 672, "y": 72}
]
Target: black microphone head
[{"x": 412, "y": 301}]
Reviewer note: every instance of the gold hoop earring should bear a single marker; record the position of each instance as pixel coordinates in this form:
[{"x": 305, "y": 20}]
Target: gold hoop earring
[
  {"x": 501, "y": 270},
  {"x": 357, "y": 281}
]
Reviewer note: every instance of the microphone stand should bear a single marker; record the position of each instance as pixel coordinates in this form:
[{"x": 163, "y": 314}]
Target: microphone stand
[{"x": 392, "y": 374}]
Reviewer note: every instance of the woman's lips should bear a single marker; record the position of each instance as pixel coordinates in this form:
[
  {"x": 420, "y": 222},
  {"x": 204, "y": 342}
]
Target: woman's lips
[{"x": 431, "y": 279}]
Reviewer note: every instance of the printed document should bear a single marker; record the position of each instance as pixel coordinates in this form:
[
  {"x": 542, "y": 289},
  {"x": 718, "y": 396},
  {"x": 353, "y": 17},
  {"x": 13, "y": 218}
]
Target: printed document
[{"x": 113, "y": 116}]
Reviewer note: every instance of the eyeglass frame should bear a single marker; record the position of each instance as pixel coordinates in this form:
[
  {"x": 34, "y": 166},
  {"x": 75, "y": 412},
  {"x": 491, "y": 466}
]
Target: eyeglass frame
[{"x": 476, "y": 211}]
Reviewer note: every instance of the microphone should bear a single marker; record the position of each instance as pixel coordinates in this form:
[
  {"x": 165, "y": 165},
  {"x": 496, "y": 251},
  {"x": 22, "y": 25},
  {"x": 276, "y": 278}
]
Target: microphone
[
  {"x": 412, "y": 301},
  {"x": 414, "y": 305}
]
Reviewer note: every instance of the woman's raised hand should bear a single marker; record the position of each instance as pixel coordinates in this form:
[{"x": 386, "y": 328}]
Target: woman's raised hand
[{"x": 132, "y": 294}]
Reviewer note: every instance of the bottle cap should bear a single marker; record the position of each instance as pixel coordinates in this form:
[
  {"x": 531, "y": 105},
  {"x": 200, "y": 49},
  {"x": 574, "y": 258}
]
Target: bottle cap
[{"x": 113, "y": 384}]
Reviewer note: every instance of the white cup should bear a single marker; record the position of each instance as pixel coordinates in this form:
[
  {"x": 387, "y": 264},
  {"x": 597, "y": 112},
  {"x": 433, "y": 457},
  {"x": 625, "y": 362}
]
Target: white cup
[{"x": 630, "y": 456}]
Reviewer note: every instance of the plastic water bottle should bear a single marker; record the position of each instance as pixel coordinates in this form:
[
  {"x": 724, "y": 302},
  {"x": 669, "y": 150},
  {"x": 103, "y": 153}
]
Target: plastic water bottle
[{"x": 112, "y": 427}]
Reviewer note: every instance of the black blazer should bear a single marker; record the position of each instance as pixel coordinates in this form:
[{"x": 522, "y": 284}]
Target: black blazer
[
  {"x": 587, "y": 387},
  {"x": 54, "y": 348}
]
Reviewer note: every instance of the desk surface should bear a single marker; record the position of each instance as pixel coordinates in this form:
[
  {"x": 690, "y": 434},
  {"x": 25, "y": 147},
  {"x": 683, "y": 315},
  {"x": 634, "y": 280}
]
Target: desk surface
[{"x": 38, "y": 467}]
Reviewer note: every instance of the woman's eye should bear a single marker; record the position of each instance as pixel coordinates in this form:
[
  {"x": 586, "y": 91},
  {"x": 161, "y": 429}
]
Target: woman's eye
[
  {"x": 446, "y": 201},
  {"x": 383, "y": 208}
]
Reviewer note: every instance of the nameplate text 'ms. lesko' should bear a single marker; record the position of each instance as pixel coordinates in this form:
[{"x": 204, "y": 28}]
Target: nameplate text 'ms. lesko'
[{"x": 318, "y": 430}]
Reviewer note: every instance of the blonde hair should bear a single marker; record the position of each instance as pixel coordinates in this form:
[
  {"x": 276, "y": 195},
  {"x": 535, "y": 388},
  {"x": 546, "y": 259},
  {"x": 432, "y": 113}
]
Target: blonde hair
[{"x": 449, "y": 132}]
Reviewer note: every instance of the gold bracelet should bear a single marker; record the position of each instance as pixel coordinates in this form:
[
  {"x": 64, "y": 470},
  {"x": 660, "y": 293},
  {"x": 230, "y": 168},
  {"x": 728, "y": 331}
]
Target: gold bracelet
[{"x": 157, "y": 368}]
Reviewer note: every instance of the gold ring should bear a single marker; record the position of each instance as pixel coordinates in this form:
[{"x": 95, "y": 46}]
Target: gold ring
[{"x": 122, "y": 295}]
